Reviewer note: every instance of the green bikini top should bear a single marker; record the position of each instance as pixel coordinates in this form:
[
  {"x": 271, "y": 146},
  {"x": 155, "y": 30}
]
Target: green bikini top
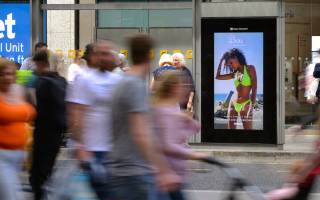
[{"x": 246, "y": 80}]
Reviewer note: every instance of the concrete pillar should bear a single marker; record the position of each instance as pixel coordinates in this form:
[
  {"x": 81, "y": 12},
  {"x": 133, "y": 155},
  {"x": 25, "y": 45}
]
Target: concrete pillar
[
  {"x": 36, "y": 23},
  {"x": 87, "y": 28}
]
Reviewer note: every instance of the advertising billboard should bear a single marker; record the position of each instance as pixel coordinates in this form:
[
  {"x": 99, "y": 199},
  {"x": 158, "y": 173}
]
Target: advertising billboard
[
  {"x": 239, "y": 80},
  {"x": 15, "y": 31},
  {"x": 238, "y": 83}
]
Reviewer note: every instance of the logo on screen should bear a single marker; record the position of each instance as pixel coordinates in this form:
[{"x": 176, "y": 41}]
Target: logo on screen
[{"x": 236, "y": 41}]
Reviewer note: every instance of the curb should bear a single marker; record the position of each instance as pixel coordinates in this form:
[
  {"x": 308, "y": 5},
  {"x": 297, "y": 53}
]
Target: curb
[{"x": 267, "y": 157}]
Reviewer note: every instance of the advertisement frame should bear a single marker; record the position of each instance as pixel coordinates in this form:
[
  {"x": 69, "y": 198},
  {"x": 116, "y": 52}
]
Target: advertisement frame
[{"x": 268, "y": 26}]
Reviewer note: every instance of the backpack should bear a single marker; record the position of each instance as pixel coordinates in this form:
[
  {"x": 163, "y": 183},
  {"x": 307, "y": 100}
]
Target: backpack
[{"x": 52, "y": 93}]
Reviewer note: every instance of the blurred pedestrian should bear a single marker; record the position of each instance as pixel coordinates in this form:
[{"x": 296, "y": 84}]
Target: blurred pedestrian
[
  {"x": 50, "y": 123},
  {"x": 173, "y": 127},
  {"x": 91, "y": 114},
  {"x": 134, "y": 155},
  {"x": 28, "y": 63},
  {"x": 189, "y": 88},
  {"x": 75, "y": 68},
  {"x": 165, "y": 64},
  {"x": 14, "y": 116},
  {"x": 121, "y": 64}
]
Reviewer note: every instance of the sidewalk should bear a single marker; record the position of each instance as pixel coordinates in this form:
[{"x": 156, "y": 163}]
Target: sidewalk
[{"x": 296, "y": 147}]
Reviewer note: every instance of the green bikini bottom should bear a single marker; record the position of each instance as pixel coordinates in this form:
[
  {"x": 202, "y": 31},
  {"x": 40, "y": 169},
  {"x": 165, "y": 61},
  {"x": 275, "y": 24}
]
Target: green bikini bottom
[{"x": 239, "y": 106}]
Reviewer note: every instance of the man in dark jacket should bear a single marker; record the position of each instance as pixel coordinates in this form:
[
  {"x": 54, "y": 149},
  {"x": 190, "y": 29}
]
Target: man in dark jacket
[
  {"x": 50, "y": 122},
  {"x": 316, "y": 74},
  {"x": 314, "y": 116}
]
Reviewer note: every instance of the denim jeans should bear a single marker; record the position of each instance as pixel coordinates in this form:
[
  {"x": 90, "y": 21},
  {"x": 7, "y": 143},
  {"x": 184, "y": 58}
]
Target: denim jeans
[
  {"x": 173, "y": 195},
  {"x": 99, "y": 175},
  {"x": 10, "y": 165},
  {"x": 133, "y": 187}
]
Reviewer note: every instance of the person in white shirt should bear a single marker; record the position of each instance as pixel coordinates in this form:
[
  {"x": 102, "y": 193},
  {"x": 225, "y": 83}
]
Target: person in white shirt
[
  {"x": 75, "y": 68},
  {"x": 91, "y": 112}
]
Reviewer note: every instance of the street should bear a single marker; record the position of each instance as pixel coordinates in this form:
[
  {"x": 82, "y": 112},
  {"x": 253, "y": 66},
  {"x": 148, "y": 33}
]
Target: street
[{"x": 208, "y": 182}]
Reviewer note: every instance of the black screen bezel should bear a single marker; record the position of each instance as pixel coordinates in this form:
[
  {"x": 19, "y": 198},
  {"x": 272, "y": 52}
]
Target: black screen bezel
[{"x": 209, "y": 26}]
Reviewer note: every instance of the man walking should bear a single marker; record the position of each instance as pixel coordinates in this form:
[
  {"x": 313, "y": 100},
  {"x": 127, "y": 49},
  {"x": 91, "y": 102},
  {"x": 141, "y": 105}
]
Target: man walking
[
  {"x": 134, "y": 155},
  {"x": 50, "y": 122},
  {"x": 91, "y": 113}
]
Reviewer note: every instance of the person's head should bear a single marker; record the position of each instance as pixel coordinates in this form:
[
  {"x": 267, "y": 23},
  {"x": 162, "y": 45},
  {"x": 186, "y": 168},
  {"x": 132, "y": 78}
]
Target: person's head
[
  {"x": 165, "y": 59},
  {"x": 40, "y": 46},
  {"x": 106, "y": 57},
  {"x": 140, "y": 47},
  {"x": 178, "y": 60},
  {"x": 169, "y": 86},
  {"x": 123, "y": 62},
  {"x": 236, "y": 59},
  {"x": 77, "y": 57},
  {"x": 7, "y": 74},
  {"x": 90, "y": 55},
  {"x": 41, "y": 59}
]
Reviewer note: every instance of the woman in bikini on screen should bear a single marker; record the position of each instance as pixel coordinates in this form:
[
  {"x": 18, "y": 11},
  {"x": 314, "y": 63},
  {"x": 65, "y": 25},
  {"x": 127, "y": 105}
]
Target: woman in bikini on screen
[{"x": 245, "y": 82}]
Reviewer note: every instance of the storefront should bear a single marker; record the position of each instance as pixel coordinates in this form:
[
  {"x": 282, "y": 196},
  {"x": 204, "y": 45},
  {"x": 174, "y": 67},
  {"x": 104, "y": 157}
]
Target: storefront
[{"x": 278, "y": 38}]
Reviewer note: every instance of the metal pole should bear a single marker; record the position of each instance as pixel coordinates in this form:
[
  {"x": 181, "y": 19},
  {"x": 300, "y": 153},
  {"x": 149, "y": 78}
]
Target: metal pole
[{"x": 36, "y": 22}]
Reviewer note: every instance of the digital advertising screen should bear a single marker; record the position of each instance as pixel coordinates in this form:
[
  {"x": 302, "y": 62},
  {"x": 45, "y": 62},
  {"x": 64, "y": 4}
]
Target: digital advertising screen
[{"x": 238, "y": 80}]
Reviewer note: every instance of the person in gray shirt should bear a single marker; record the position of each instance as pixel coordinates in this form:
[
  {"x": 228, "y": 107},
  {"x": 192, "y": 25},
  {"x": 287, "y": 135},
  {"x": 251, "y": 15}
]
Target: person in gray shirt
[{"x": 137, "y": 167}]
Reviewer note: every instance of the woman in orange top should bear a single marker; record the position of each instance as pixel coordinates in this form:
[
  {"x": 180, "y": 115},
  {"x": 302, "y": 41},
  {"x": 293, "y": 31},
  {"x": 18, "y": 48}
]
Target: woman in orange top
[{"x": 15, "y": 113}]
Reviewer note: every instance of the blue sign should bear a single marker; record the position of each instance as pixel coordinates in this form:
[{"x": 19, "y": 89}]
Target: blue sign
[{"x": 15, "y": 31}]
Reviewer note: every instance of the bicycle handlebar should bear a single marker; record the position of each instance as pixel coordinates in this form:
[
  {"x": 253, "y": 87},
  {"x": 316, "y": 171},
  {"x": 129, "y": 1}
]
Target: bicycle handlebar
[
  {"x": 238, "y": 179},
  {"x": 215, "y": 161}
]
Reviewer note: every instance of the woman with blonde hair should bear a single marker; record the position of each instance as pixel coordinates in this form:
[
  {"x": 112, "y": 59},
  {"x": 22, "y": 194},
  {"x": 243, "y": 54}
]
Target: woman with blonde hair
[
  {"x": 14, "y": 117},
  {"x": 173, "y": 127}
]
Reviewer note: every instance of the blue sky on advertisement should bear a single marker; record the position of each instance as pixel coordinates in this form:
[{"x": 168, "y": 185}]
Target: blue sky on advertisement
[
  {"x": 251, "y": 44},
  {"x": 15, "y": 31}
]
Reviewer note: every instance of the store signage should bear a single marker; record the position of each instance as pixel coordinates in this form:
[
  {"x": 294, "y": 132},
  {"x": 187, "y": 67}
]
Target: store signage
[{"x": 15, "y": 31}]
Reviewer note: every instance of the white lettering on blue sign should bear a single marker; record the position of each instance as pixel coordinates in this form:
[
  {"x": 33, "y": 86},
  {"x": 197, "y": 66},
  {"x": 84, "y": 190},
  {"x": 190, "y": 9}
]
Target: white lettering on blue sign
[
  {"x": 15, "y": 31},
  {"x": 7, "y": 26}
]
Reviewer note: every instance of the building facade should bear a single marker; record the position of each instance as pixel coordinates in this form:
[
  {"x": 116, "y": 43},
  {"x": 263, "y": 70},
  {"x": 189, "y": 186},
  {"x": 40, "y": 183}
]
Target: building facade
[{"x": 179, "y": 26}]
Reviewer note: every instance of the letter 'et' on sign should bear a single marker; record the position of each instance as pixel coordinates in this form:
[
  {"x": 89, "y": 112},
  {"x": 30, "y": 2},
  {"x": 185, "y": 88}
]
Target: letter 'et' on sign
[
  {"x": 125, "y": 52},
  {"x": 177, "y": 51}
]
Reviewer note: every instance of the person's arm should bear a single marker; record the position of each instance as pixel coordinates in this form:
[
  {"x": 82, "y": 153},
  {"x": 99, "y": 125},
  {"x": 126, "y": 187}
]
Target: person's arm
[
  {"x": 307, "y": 165},
  {"x": 170, "y": 146},
  {"x": 190, "y": 102},
  {"x": 78, "y": 98},
  {"x": 253, "y": 76},
  {"x": 26, "y": 64},
  {"x": 76, "y": 119},
  {"x": 219, "y": 76},
  {"x": 166, "y": 179},
  {"x": 192, "y": 90},
  {"x": 152, "y": 84}
]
